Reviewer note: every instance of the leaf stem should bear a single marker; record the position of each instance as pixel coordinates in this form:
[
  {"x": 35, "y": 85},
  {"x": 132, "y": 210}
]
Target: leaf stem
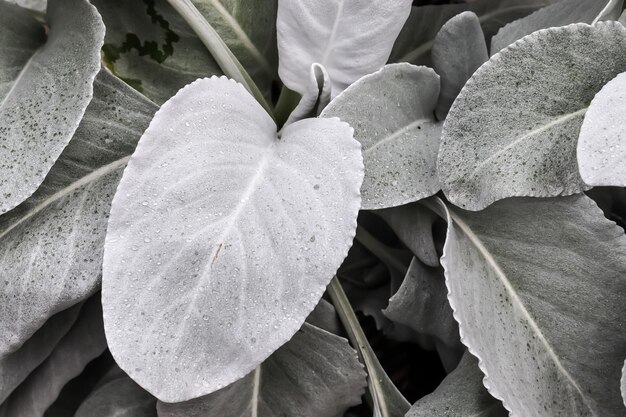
[
  {"x": 287, "y": 101},
  {"x": 388, "y": 401},
  {"x": 229, "y": 64},
  {"x": 611, "y": 11}
]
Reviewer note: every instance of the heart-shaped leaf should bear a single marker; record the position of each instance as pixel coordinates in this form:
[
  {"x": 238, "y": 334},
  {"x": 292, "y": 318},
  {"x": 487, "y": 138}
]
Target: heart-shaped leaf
[
  {"x": 602, "y": 142},
  {"x": 16, "y": 366},
  {"x": 460, "y": 394},
  {"x": 51, "y": 245},
  {"x": 152, "y": 48},
  {"x": 46, "y": 87},
  {"x": 458, "y": 50},
  {"x": 513, "y": 129},
  {"x": 246, "y": 228},
  {"x": 549, "y": 277},
  {"x": 560, "y": 13},
  {"x": 119, "y": 397},
  {"x": 315, "y": 374},
  {"x": 349, "y": 38},
  {"x": 392, "y": 115},
  {"x": 84, "y": 342}
]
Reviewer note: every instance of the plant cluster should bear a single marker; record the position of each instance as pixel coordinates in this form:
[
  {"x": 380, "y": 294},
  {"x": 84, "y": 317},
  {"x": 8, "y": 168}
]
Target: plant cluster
[{"x": 196, "y": 196}]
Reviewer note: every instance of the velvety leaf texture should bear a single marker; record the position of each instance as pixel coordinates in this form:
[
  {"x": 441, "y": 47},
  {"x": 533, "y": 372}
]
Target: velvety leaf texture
[
  {"x": 349, "y": 38},
  {"x": 391, "y": 112},
  {"x": 223, "y": 237},
  {"x": 460, "y": 394},
  {"x": 316, "y": 96},
  {"x": 315, "y": 374},
  {"x": 51, "y": 245},
  {"x": 120, "y": 397},
  {"x": 602, "y": 143},
  {"x": 513, "y": 129},
  {"x": 548, "y": 330},
  {"x": 561, "y": 13},
  {"x": 45, "y": 87}
]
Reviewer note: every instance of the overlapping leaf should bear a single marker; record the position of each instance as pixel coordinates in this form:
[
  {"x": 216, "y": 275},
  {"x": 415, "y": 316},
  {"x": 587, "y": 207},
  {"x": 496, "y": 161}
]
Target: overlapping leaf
[
  {"x": 392, "y": 115},
  {"x": 349, "y": 38},
  {"x": 315, "y": 374},
  {"x": 45, "y": 87},
  {"x": 548, "y": 275},
  {"x": 602, "y": 142},
  {"x": 119, "y": 397},
  {"x": 51, "y": 245},
  {"x": 223, "y": 237},
  {"x": 513, "y": 129}
]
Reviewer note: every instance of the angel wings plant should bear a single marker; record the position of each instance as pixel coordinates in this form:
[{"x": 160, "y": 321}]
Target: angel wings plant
[{"x": 215, "y": 221}]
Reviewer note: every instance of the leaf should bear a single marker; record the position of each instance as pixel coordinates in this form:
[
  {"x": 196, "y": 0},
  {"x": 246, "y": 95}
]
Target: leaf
[
  {"x": 392, "y": 115},
  {"x": 421, "y": 304},
  {"x": 513, "y": 129},
  {"x": 120, "y": 397},
  {"x": 16, "y": 366},
  {"x": 347, "y": 37},
  {"x": 561, "y": 13},
  {"x": 458, "y": 50},
  {"x": 549, "y": 274},
  {"x": 46, "y": 86},
  {"x": 325, "y": 317},
  {"x": 249, "y": 30},
  {"x": 51, "y": 245},
  {"x": 386, "y": 398},
  {"x": 611, "y": 11},
  {"x": 415, "y": 41},
  {"x": 315, "y": 374},
  {"x": 460, "y": 394},
  {"x": 210, "y": 169},
  {"x": 37, "y": 5},
  {"x": 601, "y": 145},
  {"x": 413, "y": 224},
  {"x": 152, "y": 48},
  {"x": 316, "y": 97},
  {"x": 84, "y": 342}
]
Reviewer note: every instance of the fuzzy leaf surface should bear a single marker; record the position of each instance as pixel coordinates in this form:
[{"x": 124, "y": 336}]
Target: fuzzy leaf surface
[
  {"x": 51, "y": 245},
  {"x": 513, "y": 129},
  {"x": 391, "y": 112},
  {"x": 347, "y": 37},
  {"x": 549, "y": 274},
  {"x": 246, "y": 229},
  {"x": 602, "y": 142},
  {"x": 120, "y": 397},
  {"x": 561, "y": 13},
  {"x": 315, "y": 374},
  {"x": 45, "y": 87}
]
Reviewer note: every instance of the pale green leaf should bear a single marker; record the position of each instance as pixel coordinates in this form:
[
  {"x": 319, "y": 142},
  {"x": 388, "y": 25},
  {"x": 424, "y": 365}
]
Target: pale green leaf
[
  {"x": 349, "y": 38},
  {"x": 119, "y": 397},
  {"x": 84, "y": 342},
  {"x": 316, "y": 96},
  {"x": 458, "y": 50},
  {"x": 152, "y": 48},
  {"x": 513, "y": 129},
  {"x": 244, "y": 227},
  {"x": 561, "y": 13},
  {"x": 601, "y": 149},
  {"x": 45, "y": 87},
  {"x": 460, "y": 394},
  {"x": 537, "y": 286},
  {"x": 51, "y": 245},
  {"x": 315, "y": 374},
  {"x": 15, "y": 367},
  {"x": 391, "y": 112}
]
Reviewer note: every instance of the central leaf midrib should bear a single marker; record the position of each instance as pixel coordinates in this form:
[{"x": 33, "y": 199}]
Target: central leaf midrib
[
  {"x": 395, "y": 134},
  {"x": 492, "y": 262},
  {"x": 333, "y": 34}
]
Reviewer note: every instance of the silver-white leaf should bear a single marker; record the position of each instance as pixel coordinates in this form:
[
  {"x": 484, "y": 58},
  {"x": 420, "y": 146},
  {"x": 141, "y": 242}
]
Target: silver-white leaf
[
  {"x": 458, "y": 50},
  {"x": 561, "y": 13},
  {"x": 391, "y": 112},
  {"x": 513, "y": 129},
  {"x": 315, "y": 374},
  {"x": 45, "y": 87},
  {"x": 537, "y": 286},
  {"x": 51, "y": 245},
  {"x": 223, "y": 237},
  {"x": 316, "y": 97},
  {"x": 350, "y": 38},
  {"x": 601, "y": 149}
]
